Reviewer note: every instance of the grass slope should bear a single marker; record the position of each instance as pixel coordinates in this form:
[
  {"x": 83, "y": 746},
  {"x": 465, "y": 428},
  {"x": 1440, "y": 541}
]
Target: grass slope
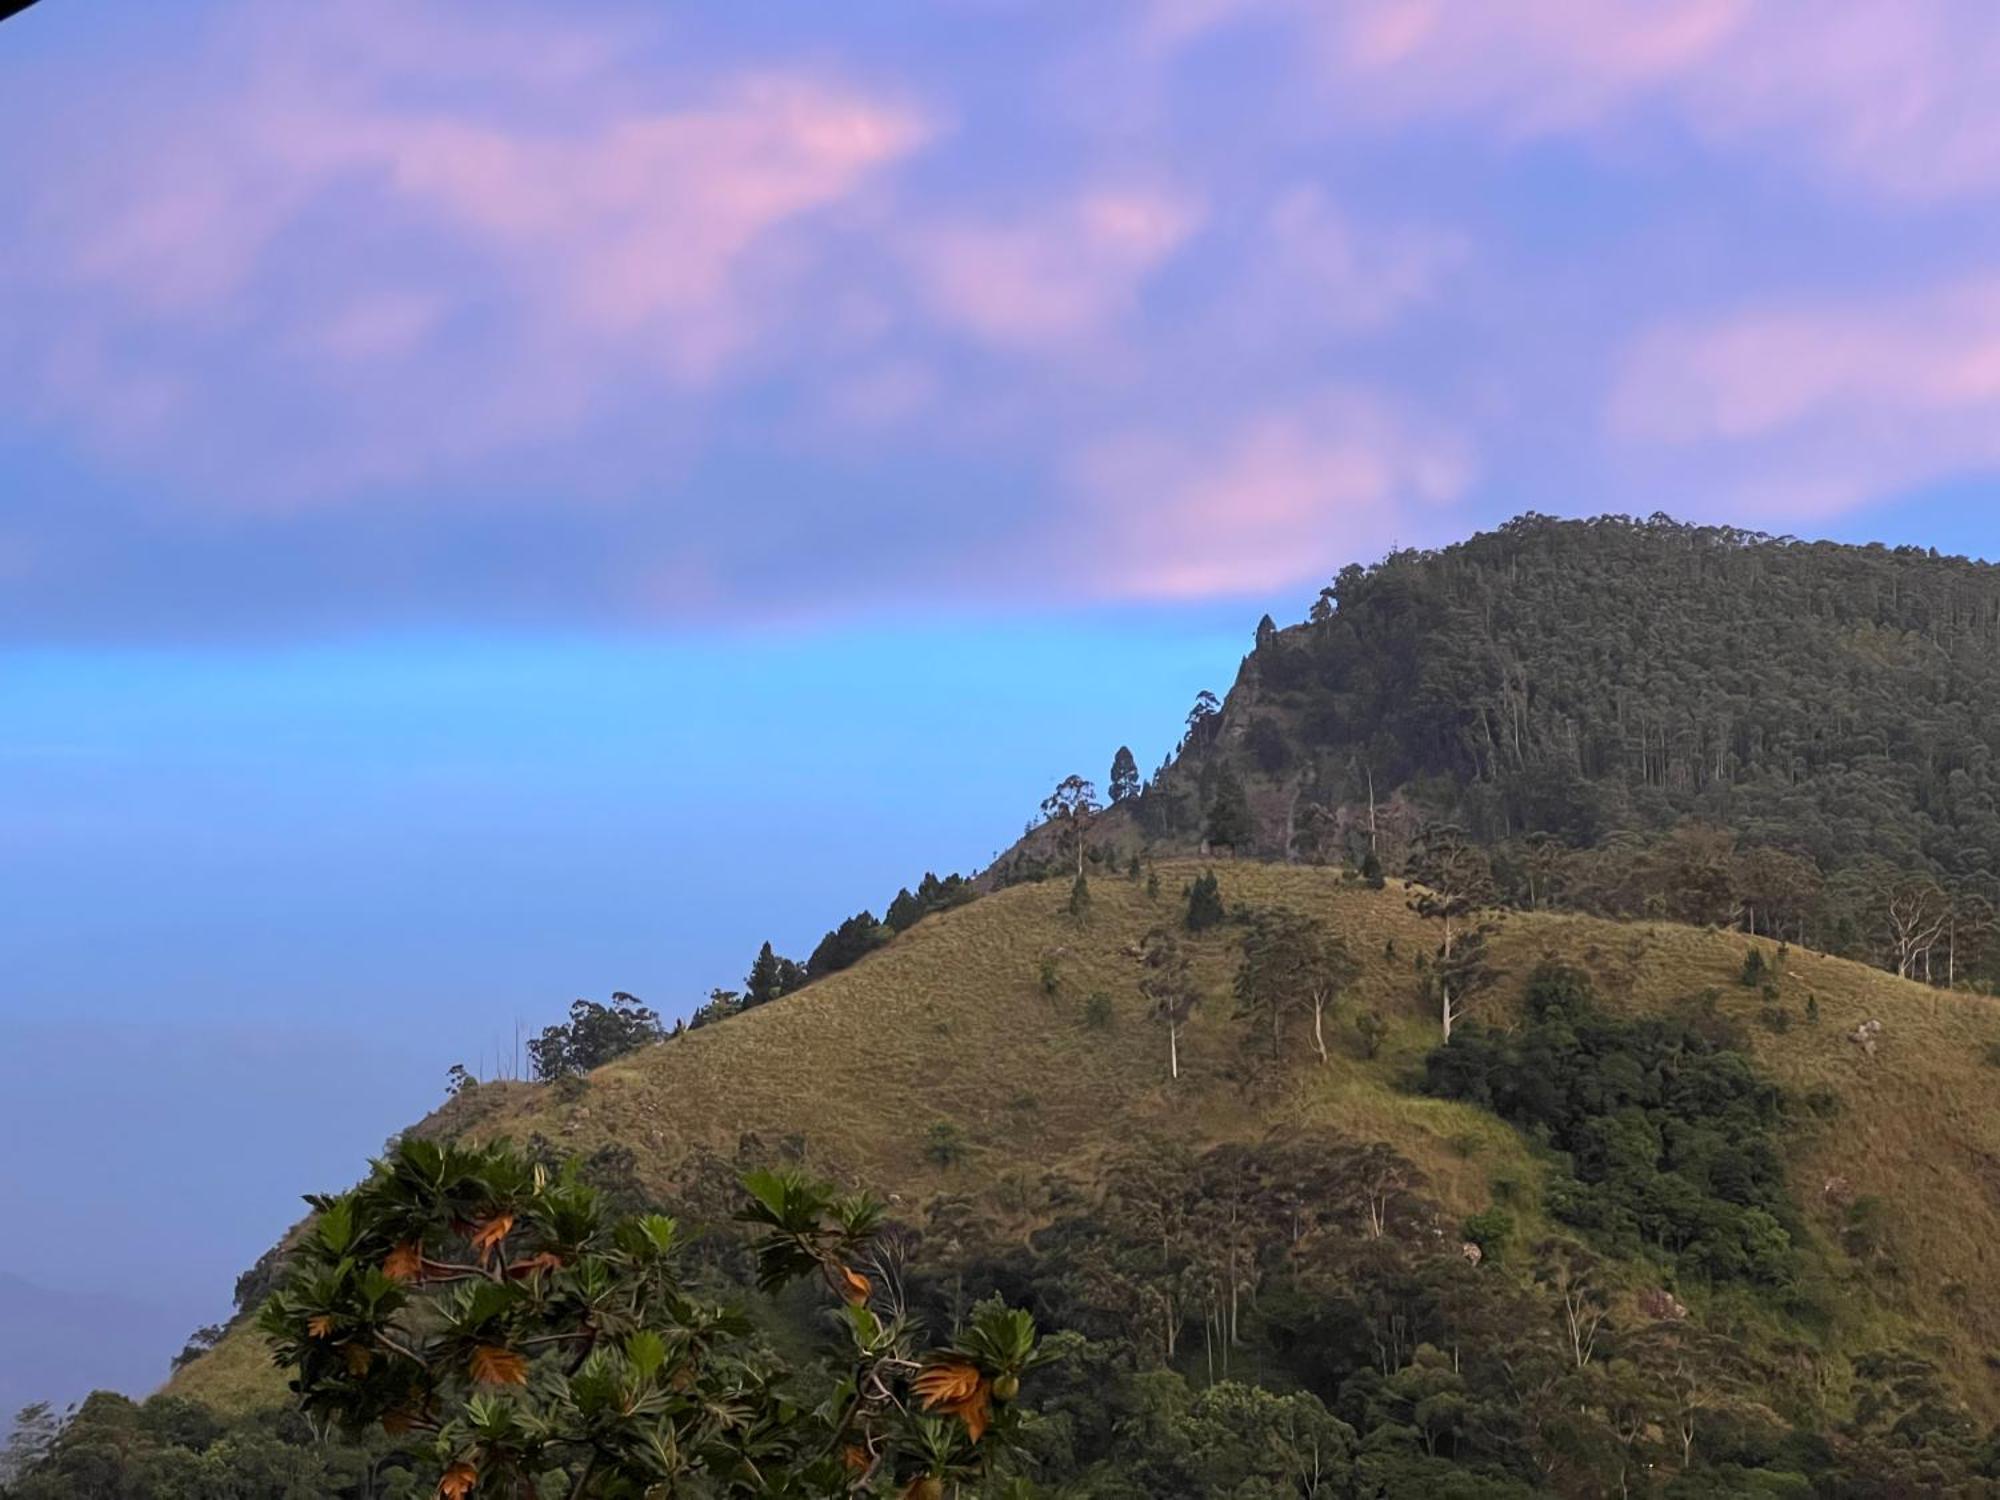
[{"x": 951, "y": 1022}]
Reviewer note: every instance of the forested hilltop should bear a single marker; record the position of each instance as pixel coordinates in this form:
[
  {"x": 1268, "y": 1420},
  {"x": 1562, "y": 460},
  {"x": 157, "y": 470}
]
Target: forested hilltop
[{"x": 1637, "y": 718}]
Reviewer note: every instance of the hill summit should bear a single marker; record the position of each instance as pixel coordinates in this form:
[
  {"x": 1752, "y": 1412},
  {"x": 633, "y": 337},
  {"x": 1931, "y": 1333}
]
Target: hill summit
[{"x": 1639, "y": 718}]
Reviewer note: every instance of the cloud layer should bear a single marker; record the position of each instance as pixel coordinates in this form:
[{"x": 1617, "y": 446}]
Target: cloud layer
[{"x": 358, "y": 314}]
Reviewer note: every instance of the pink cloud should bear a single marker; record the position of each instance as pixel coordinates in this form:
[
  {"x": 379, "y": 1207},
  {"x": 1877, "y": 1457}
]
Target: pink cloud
[
  {"x": 1904, "y": 97},
  {"x": 1811, "y": 409},
  {"x": 1347, "y": 275},
  {"x": 1055, "y": 276},
  {"x": 1272, "y": 499},
  {"x": 595, "y": 223}
]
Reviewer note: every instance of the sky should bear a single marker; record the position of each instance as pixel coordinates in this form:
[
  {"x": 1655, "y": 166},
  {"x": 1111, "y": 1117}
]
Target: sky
[{"x": 504, "y": 502}]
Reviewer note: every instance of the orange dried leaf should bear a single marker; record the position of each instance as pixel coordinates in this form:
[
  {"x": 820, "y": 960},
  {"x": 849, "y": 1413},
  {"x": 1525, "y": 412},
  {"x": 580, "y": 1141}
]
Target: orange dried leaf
[
  {"x": 959, "y": 1390},
  {"x": 854, "y": 1288},
  {"x": 320, "y": 1325},
  {"x": 492, "y": 1365},
  {"x": 457, "y": 1482},
  {"x": 975, "y": 1413},
  {"x": 399, "y": 1421},
  {"x": 487, "y": 1237},
  {"x": 405, "y": 1262},
  {"x": 855, "y": 1457},
  {"x": 358, "y": 1358},
  {"x": 946, "y": 1383}
]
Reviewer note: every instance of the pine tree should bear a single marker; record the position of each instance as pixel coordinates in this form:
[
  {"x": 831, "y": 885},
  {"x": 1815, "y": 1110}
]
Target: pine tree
[
  {"x": 770, "y": 976},
  {"x": 1205, "y": 909},
  {"x": 1079, "y": 898},
  {"x": 1124, "y": 775}
]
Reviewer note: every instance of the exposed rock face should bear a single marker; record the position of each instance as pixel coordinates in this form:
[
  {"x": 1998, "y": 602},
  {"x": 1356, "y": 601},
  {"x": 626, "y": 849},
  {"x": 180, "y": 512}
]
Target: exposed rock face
[{"x": 1866, "y": 1035}]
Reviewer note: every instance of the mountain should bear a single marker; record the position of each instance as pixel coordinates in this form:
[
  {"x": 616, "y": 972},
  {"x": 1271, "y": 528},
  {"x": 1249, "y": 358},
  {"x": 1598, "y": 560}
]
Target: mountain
[
  {"x": 1593, "y": 689},
  {"x": 970, "y": 1069},
  {"x": 1683, "y": 1206}
]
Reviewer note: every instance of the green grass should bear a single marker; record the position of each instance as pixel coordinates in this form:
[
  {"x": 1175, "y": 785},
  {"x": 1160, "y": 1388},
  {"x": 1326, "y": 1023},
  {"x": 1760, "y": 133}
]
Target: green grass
[{"x": 950, "y": 1023}]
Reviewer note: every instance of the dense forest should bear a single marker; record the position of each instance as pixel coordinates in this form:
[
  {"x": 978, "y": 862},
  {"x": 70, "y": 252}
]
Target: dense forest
[{"x": 1640, "y": 718}]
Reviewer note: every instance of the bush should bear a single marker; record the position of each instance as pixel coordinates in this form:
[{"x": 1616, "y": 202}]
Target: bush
[
  {"x": 1755, "y": 969},
  {"x": 1491, "y": 1231},
  {"x": 944, "y": 1144},
  {"x": 1205, "y": 909},
  {"x": 1048, "y": 977},
  {"x": 1079, "y": 899},
  {"x": 524, "y": 1342},
  {"x": 1097, "y": 1012}
]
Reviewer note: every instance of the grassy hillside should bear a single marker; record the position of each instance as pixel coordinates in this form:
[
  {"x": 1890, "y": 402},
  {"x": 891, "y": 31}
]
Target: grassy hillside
[{"x": 952, "y": 1022}]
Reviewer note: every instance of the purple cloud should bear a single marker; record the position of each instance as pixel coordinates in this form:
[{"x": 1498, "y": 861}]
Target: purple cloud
[{"x": 373, "y": 312}]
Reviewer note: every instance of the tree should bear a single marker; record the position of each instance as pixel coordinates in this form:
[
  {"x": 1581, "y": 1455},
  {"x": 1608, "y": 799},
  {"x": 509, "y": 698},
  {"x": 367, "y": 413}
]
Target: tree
[
  {"x": 1124, "y": 776},
  {"x": 493, "y": 1314},
  {"x": 770, "y": 977},
  {"x": 1202, "y": 720},
  {"x": 1229, "y": 824},
  {"x": 1205, "y": 909},
  {"x": 1569, "y": 1274},
  {"x": 594, "y": 1035},
  {"x": 1071, "y": 806},
  {"x": 1168, "y": 985},
  {"x": 1292, "y": 964},
  {"x": 1454, "y": 879},
  {"x": 1916, "y": 916},
  {"x": 1267, "y": 632},
  {"x": 1079, "y": 899},
  {"x": 849, "y": 943}
]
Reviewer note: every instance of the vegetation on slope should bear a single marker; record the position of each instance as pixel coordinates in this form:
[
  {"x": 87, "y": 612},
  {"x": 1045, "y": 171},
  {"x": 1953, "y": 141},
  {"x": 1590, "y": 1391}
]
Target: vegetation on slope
[
  {"x": 1820, "y": 723},
  {"x": 1265, "y": 1256}
]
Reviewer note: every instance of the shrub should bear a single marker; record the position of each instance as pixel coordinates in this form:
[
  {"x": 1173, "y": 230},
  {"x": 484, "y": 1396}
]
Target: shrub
[
  {"x": 523, "y": 1342},
  {"x": 1369, "y": 1029},
  {"x": 944, "y": 1144},
  {"x": 1205, "y": 909},
  {"x": 1491, "y": 1231},
  {"x": 1097, "y": 1011}
]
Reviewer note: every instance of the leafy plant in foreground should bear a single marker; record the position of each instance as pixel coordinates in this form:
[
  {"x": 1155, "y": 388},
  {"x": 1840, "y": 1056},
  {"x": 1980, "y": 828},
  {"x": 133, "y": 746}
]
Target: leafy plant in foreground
[{"x": 487, "y": 1310}]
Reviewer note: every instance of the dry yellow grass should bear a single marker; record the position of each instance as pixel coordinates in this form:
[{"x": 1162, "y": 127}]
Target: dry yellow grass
[{"x": 950, "y": 1022}]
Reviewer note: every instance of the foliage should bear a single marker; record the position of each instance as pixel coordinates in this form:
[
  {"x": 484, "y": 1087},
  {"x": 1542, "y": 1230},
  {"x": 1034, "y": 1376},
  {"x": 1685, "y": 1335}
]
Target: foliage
[
  {"x": 1070, "y": 808},
  {"x": 1124, "y": 782},
  {"x": 1645, "y": 718},
  {"x": 772, "y": 976},
  {"x": 1671, "y": 1136},
  {"x": 492, "y": 1312},
  {"x": 849, "y": 943},
  {"x": 1292, "y": 966},
  {"x": 1229, "y": 824},
  {"x": 1204, "y": 908},
  {"x": 1078, "y": 905},
  {"x": 593, "y": 1036}
]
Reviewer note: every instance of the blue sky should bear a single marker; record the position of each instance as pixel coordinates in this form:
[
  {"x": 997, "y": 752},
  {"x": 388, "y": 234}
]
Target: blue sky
[{"x": 503, "y": 502}]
